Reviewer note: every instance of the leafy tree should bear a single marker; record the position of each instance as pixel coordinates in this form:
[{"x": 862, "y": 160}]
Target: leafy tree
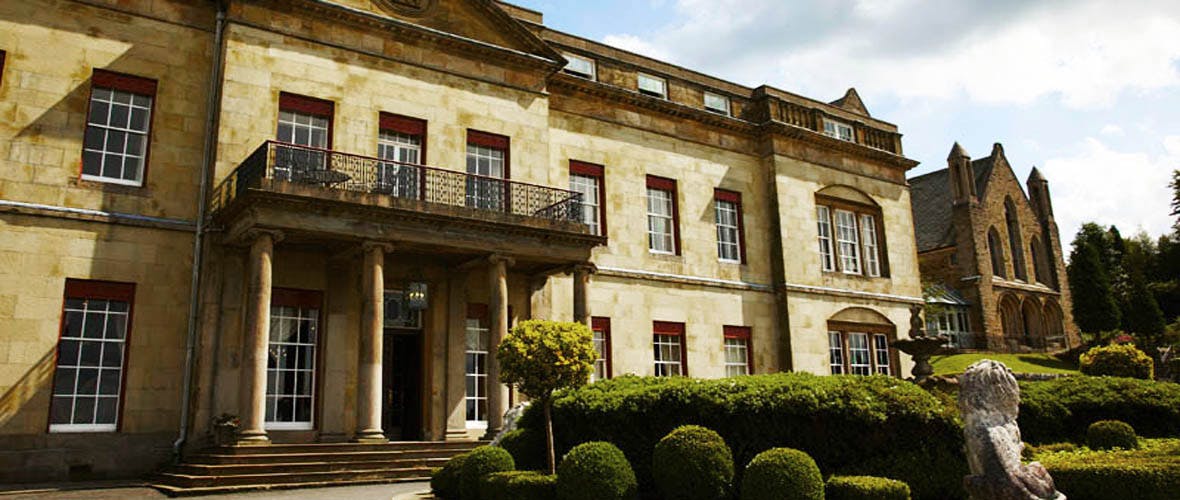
[
  {"x": 1094, "y": 307},
  {"x": 1141, "y": 314},
  {"x": 541, "y": 357},
  {"x": 1166, "y": 285}
]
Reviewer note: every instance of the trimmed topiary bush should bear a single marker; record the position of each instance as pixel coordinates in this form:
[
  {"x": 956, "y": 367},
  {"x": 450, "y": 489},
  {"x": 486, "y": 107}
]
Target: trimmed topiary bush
[
  {"x": 782, "y": 474},
  {"x": 1059, "y": 410},
  {"x": 481, "y": 462},
  {"x": 1109, "y": 434},
  {"x": 692, "y": 463},
  {"x": 865, "y": 488},
  {"x": 1117, "y": 360},
  {"x": 849, "y": 425},
  {"x": 444, "y": 482},
  {"x": 526, "y": 447},
  {"x": 595, "y": 471},
  {"x": 518, "y": 485}
]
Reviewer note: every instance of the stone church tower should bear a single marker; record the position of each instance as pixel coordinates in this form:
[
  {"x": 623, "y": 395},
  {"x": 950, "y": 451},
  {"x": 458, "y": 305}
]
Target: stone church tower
[{"x": 993, "y": 254}]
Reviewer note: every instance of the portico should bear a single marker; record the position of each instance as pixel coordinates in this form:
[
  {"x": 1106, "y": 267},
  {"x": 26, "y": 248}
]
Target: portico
[{"x": 330, "y": 347}]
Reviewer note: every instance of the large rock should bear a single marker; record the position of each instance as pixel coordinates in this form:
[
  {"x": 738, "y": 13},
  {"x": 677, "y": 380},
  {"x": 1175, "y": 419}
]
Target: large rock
[{"x": 989, "y": 400}]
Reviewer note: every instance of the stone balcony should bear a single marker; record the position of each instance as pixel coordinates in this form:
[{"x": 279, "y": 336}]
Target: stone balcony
[{"x": 320, "y": 194}]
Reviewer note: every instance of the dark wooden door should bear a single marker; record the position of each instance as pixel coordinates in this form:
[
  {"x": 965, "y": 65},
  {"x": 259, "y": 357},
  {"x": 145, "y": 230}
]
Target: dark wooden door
[{"x": 403, "y": 385}]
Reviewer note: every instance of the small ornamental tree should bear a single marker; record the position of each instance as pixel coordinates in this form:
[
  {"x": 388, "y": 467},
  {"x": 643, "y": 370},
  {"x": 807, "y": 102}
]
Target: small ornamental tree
[{"x": 540, "y": 357}]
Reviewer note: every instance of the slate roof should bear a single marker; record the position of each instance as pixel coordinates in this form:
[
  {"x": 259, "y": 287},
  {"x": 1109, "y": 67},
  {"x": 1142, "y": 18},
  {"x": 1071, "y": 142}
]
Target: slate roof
[{"x": 930, "y": 198}]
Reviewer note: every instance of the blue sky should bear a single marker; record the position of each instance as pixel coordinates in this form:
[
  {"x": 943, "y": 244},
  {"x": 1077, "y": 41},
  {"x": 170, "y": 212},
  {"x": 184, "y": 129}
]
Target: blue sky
[{"x": 1086, "y": 90}]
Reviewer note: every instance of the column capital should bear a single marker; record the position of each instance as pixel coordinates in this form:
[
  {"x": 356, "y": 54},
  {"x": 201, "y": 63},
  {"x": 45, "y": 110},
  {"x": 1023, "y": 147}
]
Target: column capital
[
  {"x": 497, "y": 258},
  {"x": 251, "y": 235},
  {"x": 583, "y": 268},
  {"x": 385, "y": 246}
]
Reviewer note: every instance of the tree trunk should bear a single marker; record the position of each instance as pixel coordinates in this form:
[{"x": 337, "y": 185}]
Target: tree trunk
[{"x": 551, "y": 461}]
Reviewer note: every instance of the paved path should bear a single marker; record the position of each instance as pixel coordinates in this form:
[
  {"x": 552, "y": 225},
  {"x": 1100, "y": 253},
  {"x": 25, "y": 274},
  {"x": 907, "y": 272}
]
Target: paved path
[{"x": 397, "y": 491}]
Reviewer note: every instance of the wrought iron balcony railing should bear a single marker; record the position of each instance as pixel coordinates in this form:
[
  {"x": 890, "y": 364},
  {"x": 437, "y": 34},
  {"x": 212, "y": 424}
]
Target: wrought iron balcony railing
[{"x": 348, "y": 172}]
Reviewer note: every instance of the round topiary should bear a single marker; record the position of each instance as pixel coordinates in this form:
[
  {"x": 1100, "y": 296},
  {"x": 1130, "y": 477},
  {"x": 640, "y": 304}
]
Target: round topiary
[
  {"x": 782, "y": 474},
  {"x": 527, "y": 448},
  {"x": 692, "y": 463},
  {"x": 1107, "y": 434},
  {"x": 865, "y": 488},
  {"x": 444, "y": 482},
  {"x": 595, "y": 471},
  {"x": 1117, "y": 360},
  {"x": 481, "y": 462}
]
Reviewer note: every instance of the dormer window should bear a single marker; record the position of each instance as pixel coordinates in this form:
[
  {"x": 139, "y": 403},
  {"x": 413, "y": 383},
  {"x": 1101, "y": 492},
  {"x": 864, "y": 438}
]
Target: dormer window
[
  {"x": 580, "y": 66},
  {"x": 838, "y": 130},
  {"x": 717, "y": 103},
  {"x": 653, "y": 86}
]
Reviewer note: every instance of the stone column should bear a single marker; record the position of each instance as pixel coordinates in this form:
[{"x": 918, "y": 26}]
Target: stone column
[
  {"x": 582, "y": 274},
  {"x": 456, "y": 390},
  {"x": 252, "y": 430},
  {"x": 497, "y": 329},
  {"x": 371, "y": 349}
]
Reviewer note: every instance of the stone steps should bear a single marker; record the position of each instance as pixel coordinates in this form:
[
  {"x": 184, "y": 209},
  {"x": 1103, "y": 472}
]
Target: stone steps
[{"x": 243, "y": 468}]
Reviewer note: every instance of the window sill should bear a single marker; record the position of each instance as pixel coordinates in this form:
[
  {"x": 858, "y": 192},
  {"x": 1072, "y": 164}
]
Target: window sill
[
  {"x": 841, "y": 274},
  {"x": 98, "y": 184},
  {"x": 731, "y": 262},
  {"x": 81, "y": 428}
]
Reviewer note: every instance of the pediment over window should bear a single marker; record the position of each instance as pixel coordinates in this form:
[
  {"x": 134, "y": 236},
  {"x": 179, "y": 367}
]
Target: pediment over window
[
  {"x": 861, "y": 315},
  {"x": 848, "y": 194}
]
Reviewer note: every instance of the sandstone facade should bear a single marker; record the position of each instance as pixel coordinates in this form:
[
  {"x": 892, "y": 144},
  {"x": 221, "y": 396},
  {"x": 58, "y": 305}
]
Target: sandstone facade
[
  {"x": 312, "y": 252},
  {"x": 994, "y": 255}
]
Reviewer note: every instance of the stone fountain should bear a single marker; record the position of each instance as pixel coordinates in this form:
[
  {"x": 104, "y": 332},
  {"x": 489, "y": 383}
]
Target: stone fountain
[{"x": 920, "y": 346}]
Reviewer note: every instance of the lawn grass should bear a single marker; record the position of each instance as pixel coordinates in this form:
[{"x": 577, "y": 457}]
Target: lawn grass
[{"x": 1019, "y": 363}]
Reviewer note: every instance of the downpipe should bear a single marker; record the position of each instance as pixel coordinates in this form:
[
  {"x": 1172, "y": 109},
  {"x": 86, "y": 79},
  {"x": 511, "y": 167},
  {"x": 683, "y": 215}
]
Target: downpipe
[{"x": 212, "y": 107}]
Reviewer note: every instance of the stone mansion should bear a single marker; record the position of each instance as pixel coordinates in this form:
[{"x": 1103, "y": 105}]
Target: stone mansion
[{"x": 320, "y": 217}]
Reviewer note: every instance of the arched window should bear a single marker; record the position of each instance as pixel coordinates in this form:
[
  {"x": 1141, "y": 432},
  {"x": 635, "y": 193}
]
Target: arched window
[
  {"x": 859, "y": 343},
  {"x": 851, "y": 232},
  {"x": 1011, "y": 320},
  {"x": 1038, "y": 258},
  {"x": 1054, "y": 324},
  {"x": 996, "y": 249},
  {"x": 1014, "y": 241},
  {"x": 1034, "y": 332}
]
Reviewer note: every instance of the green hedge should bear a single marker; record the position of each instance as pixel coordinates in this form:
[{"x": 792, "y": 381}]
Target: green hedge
[
  {"x": 480, "y": 462},
  {"x": 865, "y": 488},
  {"x": 782, "y": 474},
  {"x": 1108, "y": 434},
  {"x": 849, "y": 425},
  {"x": 444, "y": 482},
  {"x": 1149, "y": 473},
  {"x": 595, "y": 471},
  {"x": 527, "y": 448},
  {"x": 1061, "y": 410},
  {"x": 518, "y": 485}
]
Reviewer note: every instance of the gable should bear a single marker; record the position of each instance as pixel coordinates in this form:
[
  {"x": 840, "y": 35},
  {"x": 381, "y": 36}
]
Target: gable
[
  {"x": 479, "y": 20},
  {"x": 1000, "y": 183}
]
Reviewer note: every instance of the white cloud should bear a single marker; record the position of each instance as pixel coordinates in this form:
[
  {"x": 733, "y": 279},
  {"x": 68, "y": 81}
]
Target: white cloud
[
  {"x": 636, "y": 45},
  {"x": 1099, "y": 184},
  {"x": 1112, "y": 130},
  {"x": 1086, "y": 52}
]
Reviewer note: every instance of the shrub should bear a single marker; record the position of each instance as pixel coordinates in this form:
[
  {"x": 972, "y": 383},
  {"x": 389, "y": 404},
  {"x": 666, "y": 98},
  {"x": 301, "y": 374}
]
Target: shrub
[
  {"x": 1107, "y": 434},
  {"x": 1150, "y": 473},
  {"x": 595, "y": 471},
  {"x": 518, "y": 485},
  {"x": 526, "y": 447},
  {"x": 1117, "y": 360},
  {"x": 1061, "y": 410},
  {"x": 865, "y": 488},
  {"x": 481, "y": 462},
  {"x": 849, "y": 425},
  {"x": 782, "y": 474},
  {"x": 444, "y": 482},
  {"x": 692, "y": 463}
]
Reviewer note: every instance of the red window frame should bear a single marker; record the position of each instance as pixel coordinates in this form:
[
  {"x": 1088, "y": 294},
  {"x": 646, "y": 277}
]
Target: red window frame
[
  {"x": 494, "y": 141},
  {"x": 311, "y": 106},
  {"x": 409, "y": 126},
  {"x": 677, "y": 329},
  {"x": 735, "y": 198},
  {"x": 126, "y": 83},
  {"x": 666, "y": 184},
  {"x": 743, "y": 333},
  {"x": 603, "y": 325},
  {"x": 100, "y": 290},
  {"x": 598, "y": 172}
]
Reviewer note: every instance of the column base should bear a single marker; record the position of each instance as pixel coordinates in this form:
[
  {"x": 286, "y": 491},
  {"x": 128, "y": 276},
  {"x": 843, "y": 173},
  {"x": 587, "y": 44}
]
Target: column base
[
  {"x": 370, "y": 437},
  {"x": 255, "y": 438}
]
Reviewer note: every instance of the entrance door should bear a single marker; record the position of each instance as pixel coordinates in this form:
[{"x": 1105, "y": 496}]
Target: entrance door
[{"x": 403, "y": 385}]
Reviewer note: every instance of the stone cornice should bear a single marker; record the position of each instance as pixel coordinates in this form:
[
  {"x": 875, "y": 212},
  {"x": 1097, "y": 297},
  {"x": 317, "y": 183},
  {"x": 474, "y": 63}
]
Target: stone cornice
[
  {"x": 831, "y": 143},
  {"x": 629, "y": 97}
]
